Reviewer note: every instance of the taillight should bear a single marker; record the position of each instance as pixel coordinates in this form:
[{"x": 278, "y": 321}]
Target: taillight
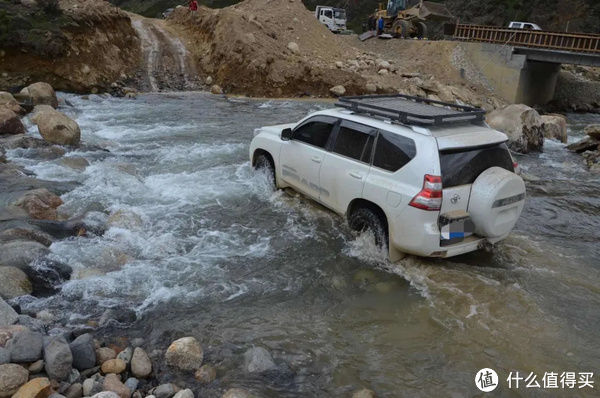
[
  {"x": 515, "y": 165},
  {"x": 430, "y": 197}
]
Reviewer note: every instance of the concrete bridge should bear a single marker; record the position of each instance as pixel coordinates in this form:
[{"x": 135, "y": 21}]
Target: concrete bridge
[{"x": 523, "y": 66}]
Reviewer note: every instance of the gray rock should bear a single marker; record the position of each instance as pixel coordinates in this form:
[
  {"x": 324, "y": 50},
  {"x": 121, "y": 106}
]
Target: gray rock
[
  {"x": 522, "y": 124},
  {"x": 36, "y": 367},
  {"x": 106, "y": 394},
  {"x": 187, "y": 393},
  {"x": 126, "y": 355},
  {"x": 58, "y": 357},
  {"x": 258, "y": 360},
  {"x": 8, "y": 316},
  {"x": 93, "y": 385},
  {"x": 25, "y": 346},
  {"x": 84, "y": 354},
  {"x": 32, "y": 323},
  {"x": 12, "y": 377},
  {"x": 13, "y": 283},
  {"x": 74, "y": 391},
  {"x": 74, "y": 376},
  {"x": 56, "y": 395},
  {"x": 137, "y": 342},
  {"x": 132, "y": 383},
  {"x": 165, "y": 391},
  {"x": 89, "y": 372},
  {"x": 20, "y": 253},
  {"x": 141, "y": 366},
  {"x": 4, "y": 356}
]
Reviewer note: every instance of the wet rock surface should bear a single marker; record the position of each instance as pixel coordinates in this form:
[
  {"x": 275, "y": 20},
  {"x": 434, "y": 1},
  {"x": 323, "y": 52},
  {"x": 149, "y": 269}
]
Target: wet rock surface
[{"x": 523, "y": 126}]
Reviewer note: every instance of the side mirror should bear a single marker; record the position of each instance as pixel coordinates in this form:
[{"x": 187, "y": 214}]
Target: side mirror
[{"x": 286, "y": 134}]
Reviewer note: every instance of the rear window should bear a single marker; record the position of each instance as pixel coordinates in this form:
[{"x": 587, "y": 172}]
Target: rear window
[{"x": 463, "y": 166}]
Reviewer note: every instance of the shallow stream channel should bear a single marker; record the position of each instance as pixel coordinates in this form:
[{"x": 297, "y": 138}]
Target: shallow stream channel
[{"x": 200, "y": 245}]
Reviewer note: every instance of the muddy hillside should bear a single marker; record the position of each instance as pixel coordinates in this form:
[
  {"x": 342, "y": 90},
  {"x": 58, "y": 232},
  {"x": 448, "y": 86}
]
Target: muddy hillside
[
  {"x": 75, "y": 45},
  {"x": 278, "y": 48}
]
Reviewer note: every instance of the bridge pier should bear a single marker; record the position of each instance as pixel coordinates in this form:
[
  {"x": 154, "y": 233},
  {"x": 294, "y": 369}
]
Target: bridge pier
[{"x": 514, "y": 77}]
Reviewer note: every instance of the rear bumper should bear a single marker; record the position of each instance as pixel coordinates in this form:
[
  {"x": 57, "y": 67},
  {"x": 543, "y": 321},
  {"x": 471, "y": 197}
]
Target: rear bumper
[{"x": 421, "y": 237}]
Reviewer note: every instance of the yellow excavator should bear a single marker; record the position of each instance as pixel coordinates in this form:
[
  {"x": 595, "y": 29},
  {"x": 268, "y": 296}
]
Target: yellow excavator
[{"x": 406, "y": 18}]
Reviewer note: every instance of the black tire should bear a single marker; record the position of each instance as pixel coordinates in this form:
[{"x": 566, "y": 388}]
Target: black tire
[
  {"x": 421, "y": 30},
  {"x": 365, "y": 219},
  {"x": 401, "y": 28},
  {"x": 264, "y": 162}
]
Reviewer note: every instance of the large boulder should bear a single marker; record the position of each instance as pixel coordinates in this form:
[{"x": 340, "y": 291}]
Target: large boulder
[
  {"x": 13, "y": 283},
  {"x": 8, "y": 101},
  {"x": 41, "y": 94},
  {"x": 141, "y": 366},
  {"x": 39, "y": 387},
  {"x": 40, "y": 204},
  {"x": 8, "y": 316},
  {"x": 185, "y": 353},
  {"x": 555, "y": 127},
  {"x": 83, "y": 351},
  {"x": 338, "y": 91},
  {"x": 12, "y": 377},
  {"x": 58, "y": 357},
  {"x": 25, "y": 346},
  {"x": 10, "y": 123},
  {"x": 522, "y": 124},
  {"x": 258, "y": 360},
  {"x": 57, "y": 128}
]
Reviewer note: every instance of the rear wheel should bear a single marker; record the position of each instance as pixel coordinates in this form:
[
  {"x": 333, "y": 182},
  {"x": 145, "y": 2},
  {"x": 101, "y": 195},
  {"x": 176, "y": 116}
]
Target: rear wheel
[
  {"x": 264, "y": 163},
  {"x": 364, "y": 219},
  {"x": 421, "y": 30}
]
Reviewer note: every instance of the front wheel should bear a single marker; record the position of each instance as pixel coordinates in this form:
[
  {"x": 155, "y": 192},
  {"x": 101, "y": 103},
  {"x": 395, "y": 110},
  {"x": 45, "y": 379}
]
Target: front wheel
[
  {"x": 365, "y": 219},
  {"x": 265, "y": 164}
]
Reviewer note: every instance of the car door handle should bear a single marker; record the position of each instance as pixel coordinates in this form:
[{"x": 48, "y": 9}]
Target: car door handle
[
  {"x": 358, "y": 176},
  {"x": 316, "y": 159}
]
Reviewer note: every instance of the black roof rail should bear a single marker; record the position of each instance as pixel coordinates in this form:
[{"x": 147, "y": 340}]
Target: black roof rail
[{"x": 411, "y": 110}]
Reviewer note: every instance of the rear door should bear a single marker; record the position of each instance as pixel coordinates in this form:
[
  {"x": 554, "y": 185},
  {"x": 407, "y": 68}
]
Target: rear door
[
  {"x": 347, "y": 165},
  {"x": 302, "y": 156},
  {"x": 459, "y": 168}
]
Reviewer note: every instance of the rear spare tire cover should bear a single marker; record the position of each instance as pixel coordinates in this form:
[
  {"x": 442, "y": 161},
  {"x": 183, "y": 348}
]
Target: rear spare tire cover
[{"x": 497, "y": 199}]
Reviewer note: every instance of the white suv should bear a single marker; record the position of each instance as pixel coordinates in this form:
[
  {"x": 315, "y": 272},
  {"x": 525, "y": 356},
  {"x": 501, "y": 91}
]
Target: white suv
[{"x": 426, "y": 177}]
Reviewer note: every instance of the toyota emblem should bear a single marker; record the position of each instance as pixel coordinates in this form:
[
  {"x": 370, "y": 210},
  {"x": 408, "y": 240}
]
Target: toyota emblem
[{"x": 455, "y": 199}]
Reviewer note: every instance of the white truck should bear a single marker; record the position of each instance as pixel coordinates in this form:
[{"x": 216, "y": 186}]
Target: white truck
[
  {"x": 333, "y": 18},
  {"x": 425, "y": 177},
  {"x": 523, "y": 25}
]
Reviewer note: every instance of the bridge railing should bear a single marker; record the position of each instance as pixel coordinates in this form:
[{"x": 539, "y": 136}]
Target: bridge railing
[{"x": 564, "y": 41}]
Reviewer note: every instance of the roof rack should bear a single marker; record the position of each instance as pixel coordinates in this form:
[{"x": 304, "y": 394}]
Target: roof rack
[{"x": 412, "y": 110}]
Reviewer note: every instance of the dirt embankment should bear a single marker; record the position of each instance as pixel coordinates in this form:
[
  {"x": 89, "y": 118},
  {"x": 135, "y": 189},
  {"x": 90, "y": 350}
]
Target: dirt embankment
[
  {"x": 94, "y": 45},
  {"x": 278, "y": 48}
]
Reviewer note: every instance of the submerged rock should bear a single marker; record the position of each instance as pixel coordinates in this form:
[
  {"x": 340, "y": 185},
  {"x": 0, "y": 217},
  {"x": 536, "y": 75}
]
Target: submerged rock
[
  {"x": 185, "y": 353},
  {"x": 522, "y": 124},
  {"x": 104, "y": 354},
  {"x": 237, "y": 393},
  {"x": 258, "y": 360},
  {"x": 206, "y": 374}
]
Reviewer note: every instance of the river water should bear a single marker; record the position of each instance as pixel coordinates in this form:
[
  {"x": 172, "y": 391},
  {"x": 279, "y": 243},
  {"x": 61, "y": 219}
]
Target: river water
[{"x": 203, "y": 247}]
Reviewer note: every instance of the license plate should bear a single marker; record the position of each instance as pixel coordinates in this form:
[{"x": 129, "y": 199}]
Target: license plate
[{"x": 458, "y": 229}]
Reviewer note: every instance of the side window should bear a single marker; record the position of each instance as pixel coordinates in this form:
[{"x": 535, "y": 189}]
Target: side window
[
  {"x": 314, "y": 133},
  {"x": 328, "y": 14},
  {"x": 353, "y": 144},
  {"x": 393, "y": 151}
]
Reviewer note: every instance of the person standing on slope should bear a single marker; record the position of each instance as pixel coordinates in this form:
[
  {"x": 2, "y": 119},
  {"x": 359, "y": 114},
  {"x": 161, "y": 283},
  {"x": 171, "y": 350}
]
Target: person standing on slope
[
  {"x": 380, "y": 24},
  {"x": 193, "y": 5}
]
